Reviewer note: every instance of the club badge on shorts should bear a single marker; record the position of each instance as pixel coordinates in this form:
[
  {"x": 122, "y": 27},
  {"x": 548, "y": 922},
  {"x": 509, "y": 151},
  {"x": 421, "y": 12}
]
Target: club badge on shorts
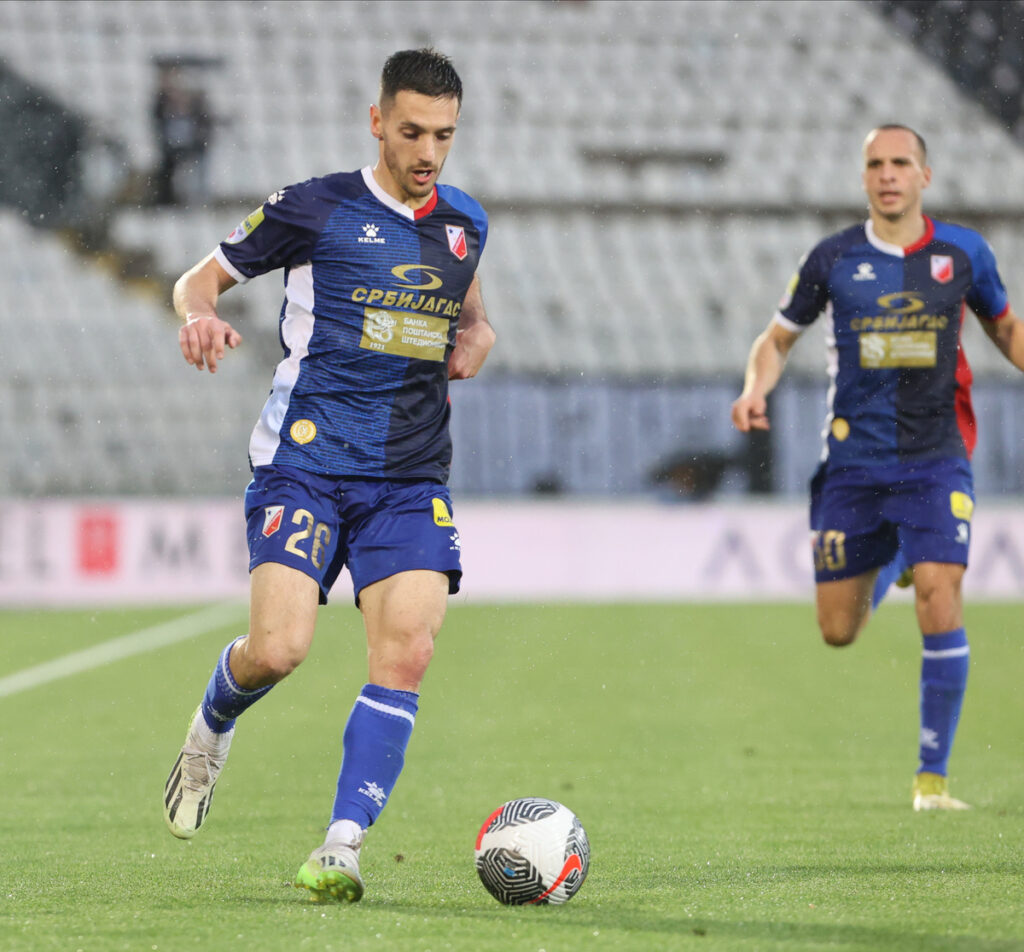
[{"x": 272, "y": 516}]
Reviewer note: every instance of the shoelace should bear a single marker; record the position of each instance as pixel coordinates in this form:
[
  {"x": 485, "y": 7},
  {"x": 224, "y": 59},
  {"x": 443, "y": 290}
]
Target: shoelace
[{"x": 199, "y": 768}]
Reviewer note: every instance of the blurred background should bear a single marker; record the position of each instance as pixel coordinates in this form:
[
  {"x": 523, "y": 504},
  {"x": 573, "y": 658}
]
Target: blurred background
[{"x": 653, "y": 170}]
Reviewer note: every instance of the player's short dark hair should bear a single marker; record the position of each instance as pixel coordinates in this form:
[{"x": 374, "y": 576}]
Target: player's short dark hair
[
  {"x": 917, "y": 135},
  {"x": 424, "y": 71}
]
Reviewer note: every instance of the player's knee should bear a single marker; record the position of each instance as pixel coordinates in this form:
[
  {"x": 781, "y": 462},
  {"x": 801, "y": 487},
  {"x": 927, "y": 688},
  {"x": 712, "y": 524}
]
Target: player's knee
[
  {"x": 838, "y": 631},
  {"x": 403, "y": 662},
  {"x": 269, "y": 664},
  {"x": 838, "y": 638},
  {"x": 939, "y": 614},
  {"x": 415, "y": 660}
]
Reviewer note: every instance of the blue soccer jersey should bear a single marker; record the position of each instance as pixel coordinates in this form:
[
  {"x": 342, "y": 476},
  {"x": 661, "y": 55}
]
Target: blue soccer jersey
[
  {"x": 373, "y": 292},
  {"x": 900, "y": 383}
]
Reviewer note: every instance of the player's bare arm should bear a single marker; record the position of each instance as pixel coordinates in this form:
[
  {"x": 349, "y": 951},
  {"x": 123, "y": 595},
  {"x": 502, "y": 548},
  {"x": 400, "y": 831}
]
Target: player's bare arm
[
  {"x": 1008, "y": 335},
  {"x": 764, "y": 369},
  {"x": 204, "y": 335},
  {"x": 474, "y": 336}
]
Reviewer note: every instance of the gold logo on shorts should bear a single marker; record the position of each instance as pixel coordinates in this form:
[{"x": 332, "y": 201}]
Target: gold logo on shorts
[
  {"x": 303, "y": 431},
  {"x": 961, "y": 505},
  {"x": 442, "y": 517},
  {"x": 840, "y": 429}
]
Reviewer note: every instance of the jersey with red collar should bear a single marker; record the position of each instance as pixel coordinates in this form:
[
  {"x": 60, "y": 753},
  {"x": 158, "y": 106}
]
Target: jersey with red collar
[
  {"x": 899, "y": 381},
  {"x": 373, "y": 292}
]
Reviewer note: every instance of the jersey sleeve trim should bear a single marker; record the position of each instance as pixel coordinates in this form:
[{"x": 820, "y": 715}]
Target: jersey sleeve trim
[
  {"x": 779, "y": 318},
  {"x": 222, "y": 260}
]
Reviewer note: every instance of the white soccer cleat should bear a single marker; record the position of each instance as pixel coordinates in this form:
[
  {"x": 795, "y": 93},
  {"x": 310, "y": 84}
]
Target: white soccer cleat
[
  {"x": 931, "y": 792},
  {"x": 188, "y": 792},
  {"x": 332, "y": 872}
]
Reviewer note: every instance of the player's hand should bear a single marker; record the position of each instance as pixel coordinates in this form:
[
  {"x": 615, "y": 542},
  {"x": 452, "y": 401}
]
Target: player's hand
[
  {"x": 472, "y": 346},
  {"x": 203, "y": 338},
  {"x": 750, "y": 413}
]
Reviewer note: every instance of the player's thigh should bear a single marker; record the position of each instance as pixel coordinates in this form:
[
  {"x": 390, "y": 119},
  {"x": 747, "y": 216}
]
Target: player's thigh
[
  {"x": 844, "y": 606},
  {"x": 403, "y": 614},
  {"x": 282, "y": 617},
  {"x": 413, "y": 601},
  {"x": 283, "y": 605}
]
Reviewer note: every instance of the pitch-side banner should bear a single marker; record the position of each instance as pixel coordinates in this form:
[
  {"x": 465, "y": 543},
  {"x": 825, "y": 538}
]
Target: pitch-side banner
[{"x": 61, "y": 552}]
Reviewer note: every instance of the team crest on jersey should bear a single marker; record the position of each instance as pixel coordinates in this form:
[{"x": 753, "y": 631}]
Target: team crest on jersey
[
  {"x": 942, "y": 268},
  {"x": 272, "y": 517},
  {"x": 457, "y": 240}
]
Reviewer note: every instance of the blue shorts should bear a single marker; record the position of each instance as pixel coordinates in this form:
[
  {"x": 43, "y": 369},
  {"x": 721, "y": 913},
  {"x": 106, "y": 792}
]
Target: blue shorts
[
  {"x": 861, "y": 516},
  {"x": 377, "y": 527}
]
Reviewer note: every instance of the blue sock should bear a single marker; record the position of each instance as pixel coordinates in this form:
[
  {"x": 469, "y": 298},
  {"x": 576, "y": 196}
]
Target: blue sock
[
  {"x": 376, "y": 735},
  {"x": 224, "y": 699},
  {"x": 944, "y": 665},
  {"x": 888, "y": 574}
]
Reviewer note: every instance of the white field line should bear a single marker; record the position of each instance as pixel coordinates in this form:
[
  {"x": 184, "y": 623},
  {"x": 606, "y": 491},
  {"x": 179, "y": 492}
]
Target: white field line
[{"x": 139, "y": 642}]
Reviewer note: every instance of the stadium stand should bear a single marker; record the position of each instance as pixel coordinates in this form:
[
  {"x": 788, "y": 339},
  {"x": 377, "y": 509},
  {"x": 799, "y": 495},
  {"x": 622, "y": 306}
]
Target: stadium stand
[
  {"x": 980, "y": 44},
  {"x": 652, "y": 176},
  {"x": 93, "y": 397}
]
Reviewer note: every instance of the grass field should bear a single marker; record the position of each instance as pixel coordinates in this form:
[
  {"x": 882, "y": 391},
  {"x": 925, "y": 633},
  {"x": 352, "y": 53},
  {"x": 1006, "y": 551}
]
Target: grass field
[{"x": 743, "y": 788}]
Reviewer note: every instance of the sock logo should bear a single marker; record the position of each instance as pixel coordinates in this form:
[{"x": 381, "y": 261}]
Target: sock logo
[
  {"x": 374, "y": 792},
  {"x": 929, "y": 738}
]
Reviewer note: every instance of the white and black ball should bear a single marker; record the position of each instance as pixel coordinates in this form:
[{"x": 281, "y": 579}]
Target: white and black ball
[{"x": 532, "y": 851}]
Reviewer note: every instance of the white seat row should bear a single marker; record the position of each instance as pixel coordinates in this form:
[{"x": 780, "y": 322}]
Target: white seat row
[{"x": 545, "y": 82}]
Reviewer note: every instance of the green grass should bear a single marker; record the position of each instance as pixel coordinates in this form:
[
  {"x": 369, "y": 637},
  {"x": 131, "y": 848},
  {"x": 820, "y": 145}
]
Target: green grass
[{"x": 743, "y": 787}]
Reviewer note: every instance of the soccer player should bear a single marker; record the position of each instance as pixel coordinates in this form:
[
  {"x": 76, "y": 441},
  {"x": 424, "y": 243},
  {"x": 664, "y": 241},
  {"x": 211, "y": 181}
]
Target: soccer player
[
  {"x": 895, "y": 480},
  {"x": 351, "y": 453}
]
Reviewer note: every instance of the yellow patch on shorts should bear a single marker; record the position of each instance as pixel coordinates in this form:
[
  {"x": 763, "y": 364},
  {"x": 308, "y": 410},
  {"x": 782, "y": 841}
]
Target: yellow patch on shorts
[
  {"x": 961, "y": 505},
  {"x": 442, "y": 517}
]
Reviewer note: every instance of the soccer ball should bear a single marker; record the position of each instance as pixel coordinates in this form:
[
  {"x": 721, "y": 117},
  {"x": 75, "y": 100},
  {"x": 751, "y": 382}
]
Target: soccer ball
[{"x": 532, "y": 850}]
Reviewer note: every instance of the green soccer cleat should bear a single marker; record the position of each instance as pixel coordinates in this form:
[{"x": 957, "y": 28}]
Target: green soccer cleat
[
  {"x": 332, "y": 872},
  {"x": 932, "y": 793},
  {"x": 188, "y": 792},
  {"x": 906, "y": 578}
]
